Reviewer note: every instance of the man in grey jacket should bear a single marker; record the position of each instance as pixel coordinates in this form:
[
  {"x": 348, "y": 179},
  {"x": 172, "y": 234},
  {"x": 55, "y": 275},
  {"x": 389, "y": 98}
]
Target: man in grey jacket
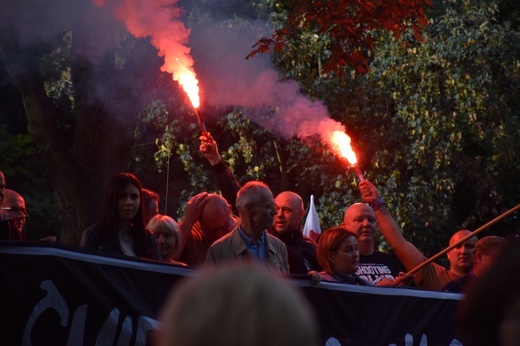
[{"x": 250, "y": 241}]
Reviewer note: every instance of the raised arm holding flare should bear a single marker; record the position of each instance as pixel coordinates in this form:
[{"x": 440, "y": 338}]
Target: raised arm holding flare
[
  {"x": 433, "y": 276},
  {"x": 227, "y": 182}
]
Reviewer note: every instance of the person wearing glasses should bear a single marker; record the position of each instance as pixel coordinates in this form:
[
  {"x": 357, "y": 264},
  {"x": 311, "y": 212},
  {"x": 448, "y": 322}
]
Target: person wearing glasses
[
  {"x": 14, "y": 213},
  {"x": 290, "y": 211},
  {"x": 250, "y": 241},
  {"x": 207, "y": 217}
]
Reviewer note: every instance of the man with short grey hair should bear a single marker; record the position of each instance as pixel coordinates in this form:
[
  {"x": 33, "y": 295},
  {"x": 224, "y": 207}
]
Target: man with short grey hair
[{"x": 250, "y": 241}]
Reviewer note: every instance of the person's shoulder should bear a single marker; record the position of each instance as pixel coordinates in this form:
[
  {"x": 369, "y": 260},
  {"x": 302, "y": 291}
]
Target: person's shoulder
[
  {"x": 273, "y": 239},
  {"x": 327, "y": 277},
  {"x": 454, "y": 285},
  {"x": 196, "y": 230},
  {"x": 91, "y": 236},
  {"x": 309, "y": 240},
  {"x": 224, "y": 239}
]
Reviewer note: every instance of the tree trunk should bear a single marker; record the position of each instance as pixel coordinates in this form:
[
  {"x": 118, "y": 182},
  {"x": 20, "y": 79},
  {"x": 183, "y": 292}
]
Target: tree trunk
[{"x": 80, "y": 160}]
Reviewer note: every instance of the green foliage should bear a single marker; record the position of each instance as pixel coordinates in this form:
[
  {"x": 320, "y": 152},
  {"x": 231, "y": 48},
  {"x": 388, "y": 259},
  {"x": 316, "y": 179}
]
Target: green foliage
[
  {"x": 348, "y": 26},
  {"x": 435, "y": 126},
  {"x": 453, "y": 104},
  {"x": 55, "y": 71}
]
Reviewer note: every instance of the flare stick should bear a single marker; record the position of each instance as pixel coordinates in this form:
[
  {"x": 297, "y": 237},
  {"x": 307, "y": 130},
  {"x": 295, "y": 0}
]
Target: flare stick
[
  {"x": 201, "y": 122},
  {"x": 471, "y": 235},
  {"x": 358, "y": 172}
]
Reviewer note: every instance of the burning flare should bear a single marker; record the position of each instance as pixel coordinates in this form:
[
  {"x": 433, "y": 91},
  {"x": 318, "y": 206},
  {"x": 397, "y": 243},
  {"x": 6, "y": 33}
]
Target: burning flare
[
  {"x": 190, "y": 84},
  {"x": 340, "y": 142},
  {"x": 160, "y": 21}
]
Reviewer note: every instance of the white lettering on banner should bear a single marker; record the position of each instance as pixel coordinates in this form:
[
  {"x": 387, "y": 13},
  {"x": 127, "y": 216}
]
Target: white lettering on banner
[
  {"x": 408, "y": 341},
  {"x": 373, "y": 269},
  {"x": 106, "y": 335}
]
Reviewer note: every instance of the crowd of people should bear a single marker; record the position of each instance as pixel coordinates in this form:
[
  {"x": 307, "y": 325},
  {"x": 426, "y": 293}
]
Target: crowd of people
[{"x": 248, "y": 225}]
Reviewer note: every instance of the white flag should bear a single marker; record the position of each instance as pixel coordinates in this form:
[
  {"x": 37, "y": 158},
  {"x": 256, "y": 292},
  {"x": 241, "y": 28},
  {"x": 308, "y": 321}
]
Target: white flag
[{"x": 312, "y": 227}]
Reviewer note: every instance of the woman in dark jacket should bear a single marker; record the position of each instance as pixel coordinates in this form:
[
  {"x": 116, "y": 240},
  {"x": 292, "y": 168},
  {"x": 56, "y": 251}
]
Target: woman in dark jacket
[{"x": 120, "y": 228}]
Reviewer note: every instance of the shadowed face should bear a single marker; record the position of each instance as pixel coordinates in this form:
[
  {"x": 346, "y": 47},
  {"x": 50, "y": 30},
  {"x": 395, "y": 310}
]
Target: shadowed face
[
  {"x": 346, "y": 257},
  {"x": 215, "y": 218},
  {"x": 461, "y": 257},
  {"x": 262, "y": 212},
  {"x": 17, "y": 215},
  {"x": 166, "y": 242},
  {"x": 289, "y": 212},
  {"x": 360, "y": 219},
  {"x": 128, "y": 203}
]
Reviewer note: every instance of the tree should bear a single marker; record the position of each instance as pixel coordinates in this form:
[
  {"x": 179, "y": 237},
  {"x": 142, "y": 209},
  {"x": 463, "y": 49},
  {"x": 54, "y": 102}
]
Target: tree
[
  {"x": 77, "y": 87},
  {"x": 432, "y": 120},
  {"x": 434, "y": 123},
  {"x": 349, "y": 28}
]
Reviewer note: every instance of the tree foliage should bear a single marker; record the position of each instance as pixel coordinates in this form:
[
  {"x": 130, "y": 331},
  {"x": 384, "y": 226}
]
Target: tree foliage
[
  {"x": 430, "y": 122},
  {"x": 454, "y": 105},
  {"x": 350, "y": 28},
  {"x": 435, "y": 123}
]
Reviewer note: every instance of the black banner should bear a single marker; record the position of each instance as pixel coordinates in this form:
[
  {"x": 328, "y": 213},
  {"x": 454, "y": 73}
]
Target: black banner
[{"x": 53, "y": 294}]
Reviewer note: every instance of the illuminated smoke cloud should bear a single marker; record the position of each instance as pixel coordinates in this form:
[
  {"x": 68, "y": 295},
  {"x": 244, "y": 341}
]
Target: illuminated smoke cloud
[{"x": 219, "y": 48}]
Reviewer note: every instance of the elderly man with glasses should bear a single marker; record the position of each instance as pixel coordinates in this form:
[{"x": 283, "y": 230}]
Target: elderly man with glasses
[{"x": 250, "y": 241}]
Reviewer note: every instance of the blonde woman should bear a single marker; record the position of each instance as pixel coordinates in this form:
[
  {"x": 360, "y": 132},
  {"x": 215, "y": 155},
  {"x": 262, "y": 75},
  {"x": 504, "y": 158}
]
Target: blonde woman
[{"x": 167, "y": 235}]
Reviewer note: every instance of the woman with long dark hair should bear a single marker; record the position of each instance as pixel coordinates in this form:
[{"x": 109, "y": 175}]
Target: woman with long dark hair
[{"x": 120, "y": 228}]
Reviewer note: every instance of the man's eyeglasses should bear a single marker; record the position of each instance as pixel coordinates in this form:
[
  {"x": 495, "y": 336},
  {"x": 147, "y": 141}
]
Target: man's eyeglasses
[{"x": 15, "y": 209}]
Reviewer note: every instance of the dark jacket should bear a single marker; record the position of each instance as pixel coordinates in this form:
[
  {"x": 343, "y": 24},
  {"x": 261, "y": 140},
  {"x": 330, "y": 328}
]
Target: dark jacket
[
  {"x": 301, "y": 251},
  {"x": 93, "y": 238}
]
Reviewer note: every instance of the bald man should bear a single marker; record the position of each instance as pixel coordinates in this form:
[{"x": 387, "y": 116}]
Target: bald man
[
  {"x": 287, "y": 227},
  {"x": 14, "y": 212},
  {"x": 433, "y": 276},
  {"x": 484, "y": 253},
  {"x": 207, "y": 217},
  {"x": 374, "y": 266}
]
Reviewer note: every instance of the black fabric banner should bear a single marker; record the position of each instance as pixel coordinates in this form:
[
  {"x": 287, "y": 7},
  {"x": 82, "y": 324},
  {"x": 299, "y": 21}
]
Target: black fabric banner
[{"x": 52, "y": 294}]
